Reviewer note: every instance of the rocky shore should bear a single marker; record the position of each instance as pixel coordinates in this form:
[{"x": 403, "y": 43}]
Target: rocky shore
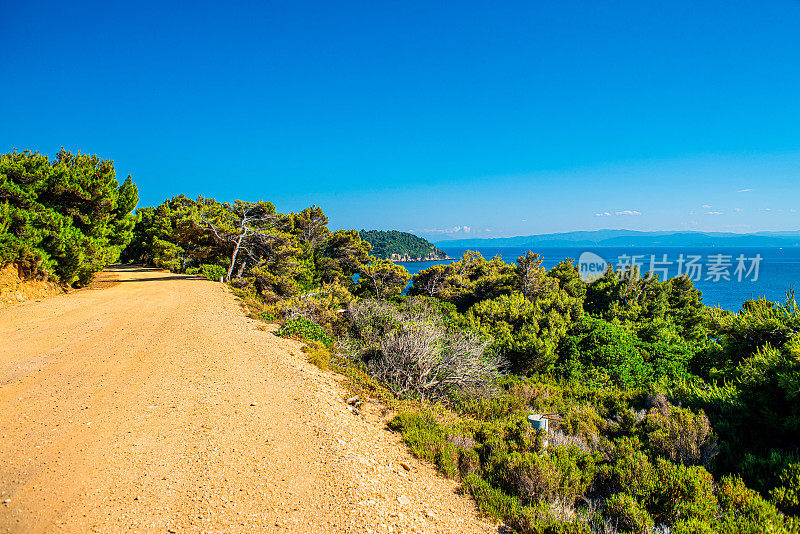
[{"x": 405, "y": 257}]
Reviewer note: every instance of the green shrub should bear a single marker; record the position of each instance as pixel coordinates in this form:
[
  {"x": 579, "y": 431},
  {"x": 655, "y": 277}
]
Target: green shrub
[
  {"x": 213, "y": 272},
  {"x": 693, "y": 526},
  {"x": 681, "y": 435},
  {"x": 492, "y": 501},
  {"x": 317, "y": 354},
  {"x": 447, "y": 447},
  {"x": 630, "y": 471},
  {"x": 627, "y": 515},
  {"x": 468, "y": 462},
  {"x": 682, "y": 493},
  {"x": 743, "y": 510},
  {"x": 268, "y": 316},
  {"x": 322, "y": 306},
  {"x": 420, "y": 431},
  {"x": 526, "y": 332},
  {"x": 786, "y": 496},
  {"x": 533, "y": 477},
  {"x": 596, "y": 345},
  {"x": 447, "y": 460},
  {"x": 303, "y": 328},
  {"x": 576, "y": 471}
]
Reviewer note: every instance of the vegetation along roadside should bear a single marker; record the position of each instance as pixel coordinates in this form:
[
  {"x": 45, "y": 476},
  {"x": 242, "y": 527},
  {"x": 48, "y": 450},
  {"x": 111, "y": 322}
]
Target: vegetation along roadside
[{"x": 665, "y": 415}]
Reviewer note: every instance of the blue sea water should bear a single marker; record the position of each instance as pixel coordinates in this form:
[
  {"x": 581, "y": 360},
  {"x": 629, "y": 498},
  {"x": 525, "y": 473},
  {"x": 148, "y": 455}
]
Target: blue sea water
[{"x": 776, "y": 272}]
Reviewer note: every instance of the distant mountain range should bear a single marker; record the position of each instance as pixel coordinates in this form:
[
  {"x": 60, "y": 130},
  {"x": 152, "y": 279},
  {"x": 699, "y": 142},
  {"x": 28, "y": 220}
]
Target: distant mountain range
[{"x": 632, "y": 238}]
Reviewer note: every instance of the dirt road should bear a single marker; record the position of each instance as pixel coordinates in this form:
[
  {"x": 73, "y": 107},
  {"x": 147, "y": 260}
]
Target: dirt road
[{"x": 150, "y": 403}]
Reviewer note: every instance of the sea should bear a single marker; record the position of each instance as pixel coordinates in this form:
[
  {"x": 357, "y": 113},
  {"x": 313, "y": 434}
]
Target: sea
[{"x": 725, "y": 276}]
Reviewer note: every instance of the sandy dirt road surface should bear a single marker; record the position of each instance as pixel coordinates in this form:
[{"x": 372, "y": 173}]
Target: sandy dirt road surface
[{"x": 150, "y": 403}]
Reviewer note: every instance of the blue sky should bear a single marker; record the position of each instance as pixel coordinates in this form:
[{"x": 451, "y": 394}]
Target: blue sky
[{"x": 443, "y": 118}]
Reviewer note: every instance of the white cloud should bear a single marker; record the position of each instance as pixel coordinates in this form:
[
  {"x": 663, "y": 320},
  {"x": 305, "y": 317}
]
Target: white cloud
[
  {"x": 744, "y": 190},
  {"x": 623, "y": 212},
  {"x": 628, "y": 212},
  {"x": 714, "y": 213},
  {"x": 454, "y": 230},
  {"x": 738, "y": 209},
  {"x": 706, "y": 206}
]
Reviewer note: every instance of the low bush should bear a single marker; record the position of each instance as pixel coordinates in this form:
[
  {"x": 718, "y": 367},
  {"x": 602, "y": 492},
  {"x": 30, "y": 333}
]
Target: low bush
[
  {"x": 682, "y": 493},
  {"x": 411, "y": 348},
  {"x": 681, "y": 435},
  {"x": 787, "y": 494},
  {"x": 448, "y": 447},
  {"x": 324, "y": 306},
  {"x": 300, "y": 327},
  {"x": 317, "y": 354},
  {"x": 213, "y": 272},
  {"x": 628, "y": 515},
  {"x": 628, "y": 470},
  {"x": 743, "y": 510},
  {"x": 492, "y": 501}
]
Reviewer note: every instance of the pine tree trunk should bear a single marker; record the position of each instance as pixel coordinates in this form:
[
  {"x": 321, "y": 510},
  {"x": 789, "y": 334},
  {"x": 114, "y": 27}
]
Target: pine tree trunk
[
  {"x": 233, "y": 258},
  {"x": 241, "y": 268}
]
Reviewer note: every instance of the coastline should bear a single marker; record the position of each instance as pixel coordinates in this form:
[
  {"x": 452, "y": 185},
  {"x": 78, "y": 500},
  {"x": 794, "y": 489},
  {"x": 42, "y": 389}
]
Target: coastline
[{"x": 408, "y": 259}]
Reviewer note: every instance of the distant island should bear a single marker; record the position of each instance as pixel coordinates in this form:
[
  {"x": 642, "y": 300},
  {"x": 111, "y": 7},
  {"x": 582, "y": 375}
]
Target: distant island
[
  {"x": 401, "y": 246},
  {"x": 632, "y": 238}
]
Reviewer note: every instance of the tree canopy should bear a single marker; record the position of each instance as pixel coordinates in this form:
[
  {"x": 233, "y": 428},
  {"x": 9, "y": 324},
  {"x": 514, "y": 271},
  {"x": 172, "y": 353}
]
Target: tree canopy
[
  {"x": 390, "y": 244},
  {"x": 65, "y": 218}
]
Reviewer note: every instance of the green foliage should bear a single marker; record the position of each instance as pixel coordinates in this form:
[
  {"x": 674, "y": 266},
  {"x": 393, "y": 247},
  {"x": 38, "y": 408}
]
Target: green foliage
[
  {"x": 628, "y": 515},
  {"x": 382, "y": 279},
  {"x": 684, "y": 492},
  {"x": 610, "y": 349},
  {"x": 751, "y": 393},
  {"x": 168, "y": 237},
  {"x": 466, "y": 281},
  {"x": 212, "y": 272},
  {"x": 527, "y": 332},
  {"x": 310, "y": 226},
  {"x": 428, "y": 440},
  {"x": 759, "y": 324},
  {"x": 324, "y": 305},
  {"x": 64, "y": 219},
  {"x": 303, "y": 328},
  {"x": 317, "y": 354},
  {"x": 681, "y": 435},
  {"x": 786, "y": 495},
  {"x": 341, "y": 255},
  {"x": 742, "y": 510},
  {"x": 385, "y": 244},
  {"x": 492, "y": 501}
]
